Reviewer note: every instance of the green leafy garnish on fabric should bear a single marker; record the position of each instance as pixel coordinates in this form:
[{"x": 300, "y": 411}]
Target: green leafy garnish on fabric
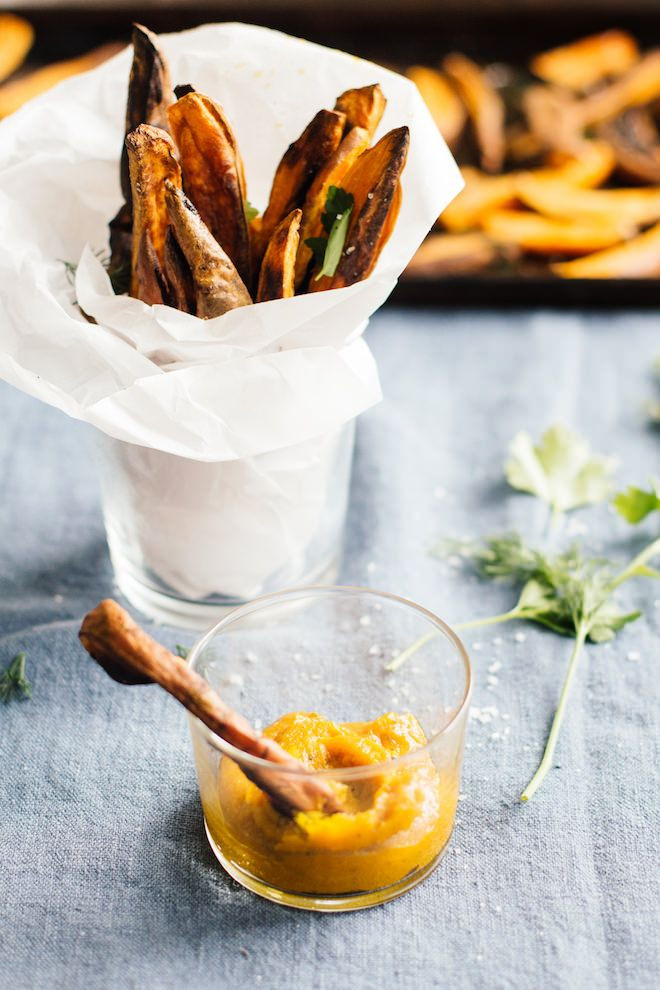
[
  {"x": 327, "y": 251},
  {"x": 560, "y": 469},
  {"x": 13, "y": 682},
  {"x": 182, "y": 651},
  {"x": 636, "y": 504}
]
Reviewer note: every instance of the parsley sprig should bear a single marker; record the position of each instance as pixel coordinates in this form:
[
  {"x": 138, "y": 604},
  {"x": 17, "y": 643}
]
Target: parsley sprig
[
  {"x": 13, "y": 682},
  {"x": 636, "y": 504},
  {"x": 327, "y": 250}
]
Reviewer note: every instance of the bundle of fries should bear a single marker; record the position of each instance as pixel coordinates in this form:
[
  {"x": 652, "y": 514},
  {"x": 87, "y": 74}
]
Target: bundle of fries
[
  {"x": 186, "y": 231},
  {"x": 534, "y": 154}
]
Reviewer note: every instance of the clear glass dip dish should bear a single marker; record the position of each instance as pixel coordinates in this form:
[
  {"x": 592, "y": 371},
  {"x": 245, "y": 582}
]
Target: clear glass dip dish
[{"x": 390, "y": 744}]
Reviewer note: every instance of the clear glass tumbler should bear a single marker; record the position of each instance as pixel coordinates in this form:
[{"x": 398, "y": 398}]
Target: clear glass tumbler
[
  {"x": 389, "y": 744},
  {"x": 189, "y": 539}
]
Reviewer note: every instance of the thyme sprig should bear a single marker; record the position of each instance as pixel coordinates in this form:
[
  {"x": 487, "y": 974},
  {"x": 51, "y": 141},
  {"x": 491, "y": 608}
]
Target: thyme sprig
[{"x": 13, "y": 682}]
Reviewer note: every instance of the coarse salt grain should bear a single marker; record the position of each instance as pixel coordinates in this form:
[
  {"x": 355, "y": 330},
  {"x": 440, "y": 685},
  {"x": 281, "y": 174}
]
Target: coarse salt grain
[
  {"x": 476, "y": 646},
  {"x": 633, "y": 655},
  {"x": 236, "y": 679},
  {"x": 375, "y": 650},
  {"x": 520, "y": 637},
  {"x": 251, "y": 656},
  {"x": 365, "y": 620},
  {"x": 494, "y": 667}
]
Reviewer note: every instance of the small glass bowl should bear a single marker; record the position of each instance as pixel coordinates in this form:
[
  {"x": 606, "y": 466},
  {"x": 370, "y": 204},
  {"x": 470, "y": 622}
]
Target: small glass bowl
[{"x": 326, "y": 650}]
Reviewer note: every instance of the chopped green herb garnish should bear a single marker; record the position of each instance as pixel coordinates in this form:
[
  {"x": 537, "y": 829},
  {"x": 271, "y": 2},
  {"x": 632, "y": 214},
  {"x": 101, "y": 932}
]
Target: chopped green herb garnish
[
  {"x": 636, "y": 504},
  {"x": 250, "y": 211},
  {"x": 13, "y": 683},
  {"x": 182, "y": 651},
  {"x": 327, "y": 251}
]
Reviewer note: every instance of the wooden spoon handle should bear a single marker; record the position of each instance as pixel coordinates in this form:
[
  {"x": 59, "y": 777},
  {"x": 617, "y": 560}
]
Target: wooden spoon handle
[{"x": 130, "y": 656}]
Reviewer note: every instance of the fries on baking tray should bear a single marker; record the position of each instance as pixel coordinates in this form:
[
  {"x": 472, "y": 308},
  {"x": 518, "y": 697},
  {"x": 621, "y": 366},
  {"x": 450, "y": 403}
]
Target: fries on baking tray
[
  {"x": 566, "y": 166},
  {"x": 186, "y": 231}
]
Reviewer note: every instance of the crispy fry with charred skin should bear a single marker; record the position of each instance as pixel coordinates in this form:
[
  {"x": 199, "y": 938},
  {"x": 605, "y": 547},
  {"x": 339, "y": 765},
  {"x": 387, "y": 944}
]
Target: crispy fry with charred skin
[
  {"x": 331, "y": 174},
  {"x": 640, "y": 85},
  {"x": 213, "y": 175},
  {"x": 149, "y": 94},
  {"x": 444, "y": 105},
  {"x": 276, "y": 278},
  {"x": 587, "y": 61},
  {"x": 639, "y": 258},
  {"x": 546, "y": 236},
  {"x": 634, "y": 139},
  {"x": 295, "y": 173},
  {"x": 218, "y": 286},
  {"x": 485, "y": 108},
  {"x": 16, "y": 37},
  {"x": 151, "y": 156},
  {"x": 179, "y": 284},
  {"x": 373, "y": 182},
  {"x": 452, "y": 254},
  {"x": 363, "y": 107}
]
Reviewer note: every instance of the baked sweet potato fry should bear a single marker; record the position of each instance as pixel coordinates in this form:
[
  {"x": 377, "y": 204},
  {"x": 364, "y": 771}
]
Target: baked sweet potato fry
[
  {"x": 151, "y": 157},
  {"x": 218, "y": 286},
  {"x": 638, "y": 258},
  {"x": 634, "y": 138},
  {"x": 180, "y": 291},
  {"x": 543, "y": 235},
  {"x": 372, "y": 181},
  {"x": 363, "y": 107},
  {"x": 485, "y": 108},
  {"x": 213, "y": 175},
  {"x": 149, "y": 93},
  {"x": 480, "y": 195},
  {"x": 554, "y": 198},
  {"x": 16, "y": 37},
  {"x": 276, "y": 278},
  {"x": 15, "y": 93},
  {"x": 588, "y": 61},
  {"x": 331, "y": 174},
  {"x": 639, "y": 86},
  {"x": 295, "y": 174},
  {"x": 452, "y": 254},
  {"x": 444, "y": 105}
]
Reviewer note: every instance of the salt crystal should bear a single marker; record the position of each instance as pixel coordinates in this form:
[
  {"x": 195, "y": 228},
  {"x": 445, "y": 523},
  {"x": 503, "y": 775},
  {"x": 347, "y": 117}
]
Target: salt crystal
[
  {"x": 633, "y": 655},
  {"x": 494, "y": 667},
  {"x": 251, "y": 657},
  {"x": 236, "y": 679},
  {"x": 375, "y": 650},
  {"x": 492, "y": 680},
  {"x": 476, "y": 646},
  {"x": 498, "y": 909},
  {"x": 365, "y": 620},
  {"x": 462, "y": 797},
  {"x": 257, "y": 723},
  {"x": 497, "y": 641},
  {"x": 520, "y": 637}
]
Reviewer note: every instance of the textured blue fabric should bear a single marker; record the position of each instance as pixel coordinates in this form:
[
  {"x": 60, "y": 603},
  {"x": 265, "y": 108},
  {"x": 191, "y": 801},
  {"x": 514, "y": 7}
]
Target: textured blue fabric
[{"x": 106, "y": 878}]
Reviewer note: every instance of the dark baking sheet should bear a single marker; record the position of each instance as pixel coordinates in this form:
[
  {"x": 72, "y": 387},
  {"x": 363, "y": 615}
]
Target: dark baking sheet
[{"x": 396, "y": 38}]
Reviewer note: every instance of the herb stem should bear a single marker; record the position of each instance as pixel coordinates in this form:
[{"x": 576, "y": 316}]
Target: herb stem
[
  {"x": 490, "y": 620},
  {"x": 636, "y": 566},
  {"x": 551, "y": 745}
]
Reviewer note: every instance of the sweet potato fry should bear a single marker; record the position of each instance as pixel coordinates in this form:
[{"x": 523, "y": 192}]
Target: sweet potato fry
[
  {"x": 151, "y": 156},
  {"x": 16, "y": 37},
  {"x": 295, "y": 174},
  {"x": 149, "y": 92},
  {"x": 180, "y": 291},
  {"x": 213, "y": 175},
  {"x": 553, "y": 117},
  {"x": 444, "y": 105},
  {"x": 218, "y": 286},
  {"x": 542, "y": 235},
  {"x": 588, "y": 61},
  {"x": 276, "y": 278},
  {"x": 331, "y": 174},
  {"x": 640, "y": 85},
  {"x": 635, "y": 141},
  {"x": 638, "y": 258},
  {"x": 451, "y": 254},
  {"x": 149, "y": 273},
  {"x": 15, "y": 93},
  {"x": 589, "y": 165},
  {"x": 363, "y": 107},
  {"x": 554, "y": 198},
  {"x": 481, "y": 194},
  {"x": 485, "y": 108},
  {"x": 372, "y": 181}
]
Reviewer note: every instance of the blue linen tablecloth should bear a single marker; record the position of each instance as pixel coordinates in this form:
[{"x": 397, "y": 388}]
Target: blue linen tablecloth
[{"x": 106, "y": 878}]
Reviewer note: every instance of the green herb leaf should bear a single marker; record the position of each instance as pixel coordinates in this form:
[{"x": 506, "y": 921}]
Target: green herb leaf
[
  {"x": 13, "y": 683},
  {"x": 560, "y": 469},
  {"x": 636, "y": 504},
  {"x": 335, "y": 220},
  {"x": 250, "y": 211},
  {"x": 182, "y": 651}
]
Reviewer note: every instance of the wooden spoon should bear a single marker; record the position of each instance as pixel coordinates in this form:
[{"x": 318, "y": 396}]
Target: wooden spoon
[{"x": 130, "y": 656}]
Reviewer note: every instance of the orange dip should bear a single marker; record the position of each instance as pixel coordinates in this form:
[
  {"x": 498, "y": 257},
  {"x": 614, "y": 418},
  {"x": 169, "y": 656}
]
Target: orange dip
[{"x": 395, "y": 822}]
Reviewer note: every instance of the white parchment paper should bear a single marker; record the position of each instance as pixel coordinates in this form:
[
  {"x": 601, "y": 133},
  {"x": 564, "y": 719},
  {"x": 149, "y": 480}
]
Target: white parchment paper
[{"x": 255, "y": 380}]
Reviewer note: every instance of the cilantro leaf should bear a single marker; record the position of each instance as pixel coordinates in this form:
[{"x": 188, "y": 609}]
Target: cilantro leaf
[
  {"x": 182, "y": 651},
  {"x": 335, "y": 221},
  {"x": 250, "y": 211},
  {"x": 636, "y": 504},
  {"x": 560, "y": 469}
]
